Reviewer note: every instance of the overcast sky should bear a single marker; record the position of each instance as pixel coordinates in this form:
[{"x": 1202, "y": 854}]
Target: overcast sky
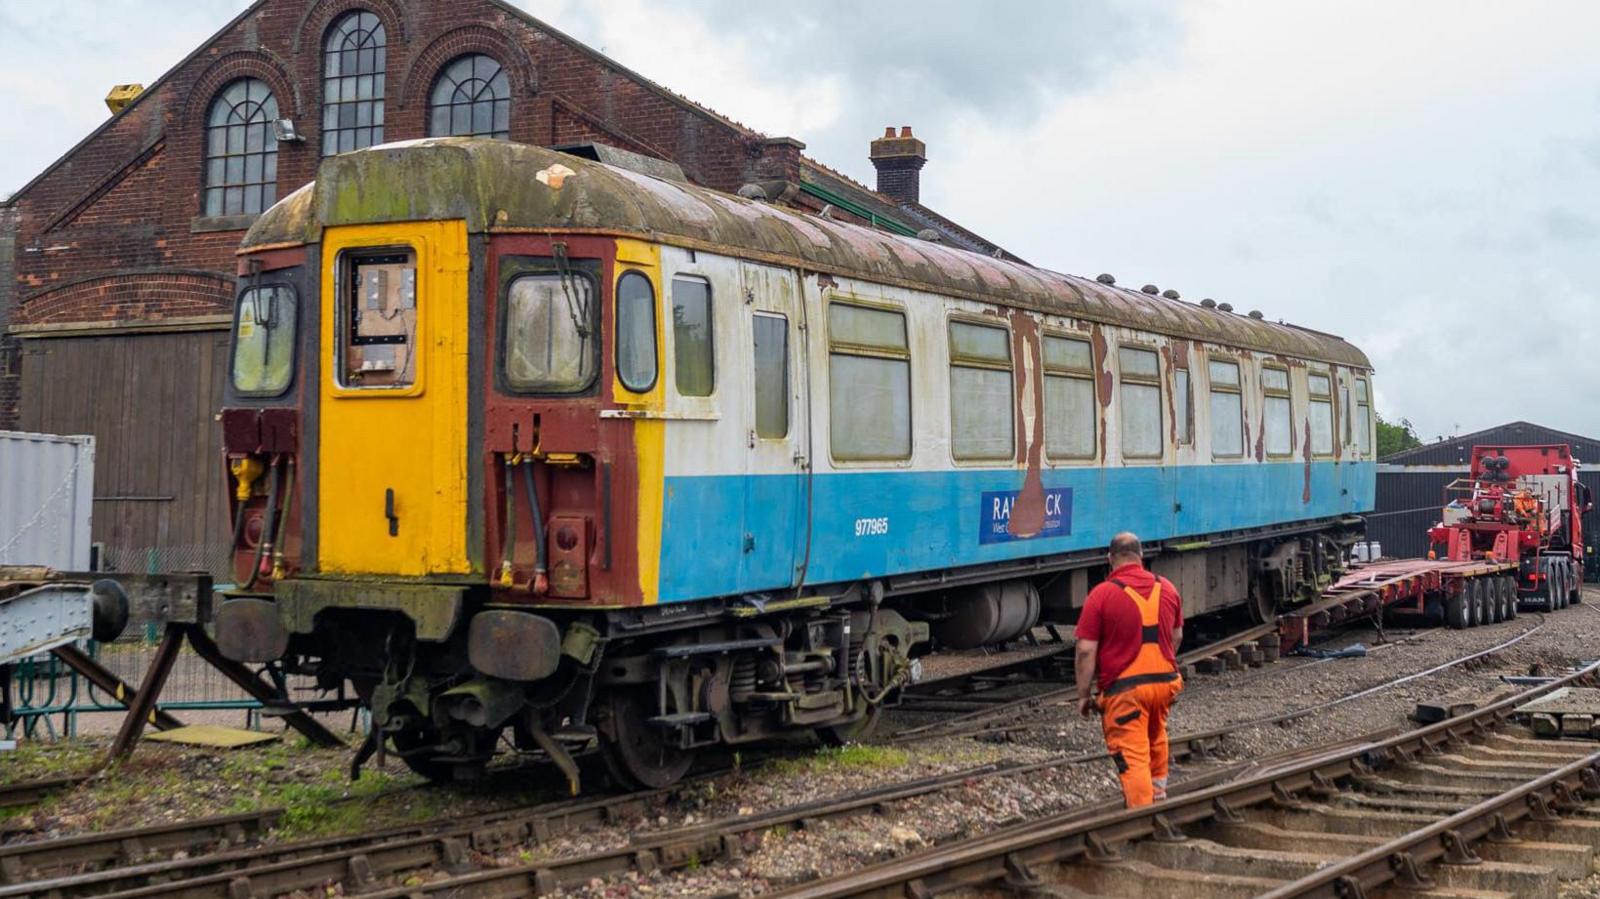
[{"x": 1421, "y": 178}]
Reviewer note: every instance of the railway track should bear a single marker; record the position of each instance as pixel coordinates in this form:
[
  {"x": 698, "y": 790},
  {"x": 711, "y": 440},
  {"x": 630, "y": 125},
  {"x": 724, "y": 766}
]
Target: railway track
[
  {"x": 358, "y": 862},
  {"x": 1254, "y": 646},
  {"x": 28, "y": 792},
  {"x": 1470, "y": 806}
]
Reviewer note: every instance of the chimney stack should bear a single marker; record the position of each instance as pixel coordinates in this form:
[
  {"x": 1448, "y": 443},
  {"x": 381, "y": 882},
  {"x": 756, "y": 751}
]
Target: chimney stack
[{"x": 899, "y": 160}]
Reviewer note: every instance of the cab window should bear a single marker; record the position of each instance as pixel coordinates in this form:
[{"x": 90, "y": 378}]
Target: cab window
[
  {"x": 636, "y": 332},
  {"x": 263, "y": 340},
  {"x": 549, "y": 332},
  {"x": 379, "y": 320}
]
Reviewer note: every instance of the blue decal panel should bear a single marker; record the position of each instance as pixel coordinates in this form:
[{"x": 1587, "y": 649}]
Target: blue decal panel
[
  {"x": 880, "y": 523},
  {"x": 994, "y": 523}
]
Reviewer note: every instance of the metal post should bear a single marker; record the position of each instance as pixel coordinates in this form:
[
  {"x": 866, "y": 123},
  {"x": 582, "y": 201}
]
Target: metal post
[
  {"x": 142, "y": 708},
  {"x": 109, "y": 683},
  {"x": 252, "y": 684}
]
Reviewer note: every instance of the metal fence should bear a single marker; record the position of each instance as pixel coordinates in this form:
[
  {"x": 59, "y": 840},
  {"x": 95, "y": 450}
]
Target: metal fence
[{"x": 42, "y": 698}]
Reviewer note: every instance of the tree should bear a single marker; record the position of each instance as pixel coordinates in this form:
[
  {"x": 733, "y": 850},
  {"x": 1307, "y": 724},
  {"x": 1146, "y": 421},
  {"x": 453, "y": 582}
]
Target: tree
[{"x": 1395, "y": 437}]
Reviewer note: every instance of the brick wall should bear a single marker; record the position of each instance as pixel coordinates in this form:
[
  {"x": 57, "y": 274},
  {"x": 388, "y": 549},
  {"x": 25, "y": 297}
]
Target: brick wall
[
  {"x": 10, "y": 353},
  {"x": 128, "y": 198}
]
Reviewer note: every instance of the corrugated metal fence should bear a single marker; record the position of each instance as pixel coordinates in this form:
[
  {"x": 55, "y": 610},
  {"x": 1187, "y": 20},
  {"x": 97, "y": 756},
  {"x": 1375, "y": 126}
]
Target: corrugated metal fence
[{"x": 46, "y": 499}]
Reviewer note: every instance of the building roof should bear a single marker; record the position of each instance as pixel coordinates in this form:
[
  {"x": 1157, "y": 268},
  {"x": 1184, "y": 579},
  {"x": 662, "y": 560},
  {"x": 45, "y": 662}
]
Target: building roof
[
  {"x": 500, "y": 186},
  {"x": 1458, "y": 450},
  {"x": 881, "y": 210}
]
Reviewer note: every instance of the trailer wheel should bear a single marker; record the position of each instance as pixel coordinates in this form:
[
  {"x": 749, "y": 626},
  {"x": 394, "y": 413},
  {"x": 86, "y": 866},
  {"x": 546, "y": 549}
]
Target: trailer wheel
[
  {"x": 1456, "y": 613},
  {"x": 1480, "y": 602},
  {"x": 1495, "y": 602},
  {"x": 1508, "y": 595},
  {"x": 1550, "y": 592},
  {"x": 1577, "y": 583}
]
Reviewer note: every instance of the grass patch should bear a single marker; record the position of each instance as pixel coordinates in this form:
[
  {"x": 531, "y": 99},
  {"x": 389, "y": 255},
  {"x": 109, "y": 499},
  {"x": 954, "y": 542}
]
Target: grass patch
[
  {"x": 38, "y": 759},
  {"x": 854, "y": 757}
]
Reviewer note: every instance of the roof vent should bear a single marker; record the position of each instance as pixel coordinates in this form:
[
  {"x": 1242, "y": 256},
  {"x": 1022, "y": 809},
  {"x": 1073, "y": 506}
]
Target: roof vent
[
  {"x": 1209, "y": 303},
  {"x": 752, "y": 191},
  {"x": 1151, "y": 289},
  {"x": 1256, "y": 314},
  {"x": 1105, "y": 278},
  {"x": 1170, "y": 294},
  {"x": 1225, "y": 307},
  {"x": 929, "y": 234}
]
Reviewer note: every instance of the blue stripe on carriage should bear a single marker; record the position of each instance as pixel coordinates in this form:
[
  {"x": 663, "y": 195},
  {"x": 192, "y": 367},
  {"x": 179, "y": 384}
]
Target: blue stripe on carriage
[{"x": 731, "y": 534}]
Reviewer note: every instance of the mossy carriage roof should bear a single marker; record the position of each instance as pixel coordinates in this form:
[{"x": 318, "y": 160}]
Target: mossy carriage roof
[{"x": 496, "y": 186}]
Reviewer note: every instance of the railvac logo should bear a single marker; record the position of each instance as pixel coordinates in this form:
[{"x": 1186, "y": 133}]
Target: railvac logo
[{"x": 995, "y": 521}]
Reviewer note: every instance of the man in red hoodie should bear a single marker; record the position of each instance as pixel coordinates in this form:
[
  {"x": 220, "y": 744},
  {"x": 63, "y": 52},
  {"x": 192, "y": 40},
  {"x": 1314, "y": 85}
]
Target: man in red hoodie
[{"x": 1127, "y": 640}]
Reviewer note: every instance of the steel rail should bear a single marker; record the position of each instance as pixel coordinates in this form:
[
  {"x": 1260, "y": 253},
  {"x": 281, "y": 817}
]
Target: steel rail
[
  {"x": 1446, "y": 838},
  {"x": 28, "y": 792},
  {"x": 951, "y": 726},
  {"x": 359, "y": 863},
  {"x": 1009, "y": 853},
  {"x": 1303, "y": 711}
]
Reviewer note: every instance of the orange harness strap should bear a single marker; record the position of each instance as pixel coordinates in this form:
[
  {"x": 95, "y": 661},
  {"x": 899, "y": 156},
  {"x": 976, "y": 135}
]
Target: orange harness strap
[{"x": 1149, "y": 666}]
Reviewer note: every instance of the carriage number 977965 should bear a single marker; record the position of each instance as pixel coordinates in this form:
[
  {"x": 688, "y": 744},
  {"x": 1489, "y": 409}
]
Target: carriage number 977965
[{"x": 872, "y": 527}]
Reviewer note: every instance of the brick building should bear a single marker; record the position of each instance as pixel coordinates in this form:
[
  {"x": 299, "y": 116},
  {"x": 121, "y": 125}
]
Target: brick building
[{"x": 116, "y": 261}]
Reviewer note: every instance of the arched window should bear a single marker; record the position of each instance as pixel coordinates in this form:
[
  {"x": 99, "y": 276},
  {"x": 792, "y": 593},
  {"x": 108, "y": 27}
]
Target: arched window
[
  {"x": 241, "y": 151},
  {"x": 352, "y": 84},
  {"x": 471, "y": 97}
]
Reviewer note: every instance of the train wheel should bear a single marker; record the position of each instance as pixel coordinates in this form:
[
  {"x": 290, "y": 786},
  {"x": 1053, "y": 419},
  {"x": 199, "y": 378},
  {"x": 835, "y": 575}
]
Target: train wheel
[
  {"x": 855, "y": 732},
  {"x": 638, "y": 755},
  {"x": 412, "y": 747},
  {"x": 1456, "y": 610}
]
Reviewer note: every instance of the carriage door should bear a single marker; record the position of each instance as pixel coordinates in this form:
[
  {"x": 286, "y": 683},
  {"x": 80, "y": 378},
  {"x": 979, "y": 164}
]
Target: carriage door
[
  {"x": 776, "y": 476},
  {"x": 392, "y": 447}
]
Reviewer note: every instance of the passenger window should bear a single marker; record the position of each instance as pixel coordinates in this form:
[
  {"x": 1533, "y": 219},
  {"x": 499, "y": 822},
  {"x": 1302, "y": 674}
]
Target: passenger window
[
  {"x": 263, "y": 340},
  {"x": 693, "y": 349},
  {"x": 636, "y": 332},
  {"x": 1363, "y": 417},
  {"x": 1071, "y": 419},
  {"x": 1185, "y": 401},
  {"x": 771, "y": 335},
  {"x": 380, "y": 320},
  {"x": 869, "y": 384},
  {"x": 1321, "y": 389},
  {"x": 1278, "y": 411},
  {"x": 981, "y": 403},
  {"x": 549, "y": 326},
  {"x": 1140, "y": 402},
  {"x": 1227, "y": 410}
]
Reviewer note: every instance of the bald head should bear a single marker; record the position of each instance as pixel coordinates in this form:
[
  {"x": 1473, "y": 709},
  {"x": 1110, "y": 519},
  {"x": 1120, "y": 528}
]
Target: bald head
[{"x": 1125, "y": 549}]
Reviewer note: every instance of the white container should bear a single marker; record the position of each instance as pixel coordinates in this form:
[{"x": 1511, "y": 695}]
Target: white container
[
  {"x": 46, "y": 499},
  {"x": 1371, "y": 551}
]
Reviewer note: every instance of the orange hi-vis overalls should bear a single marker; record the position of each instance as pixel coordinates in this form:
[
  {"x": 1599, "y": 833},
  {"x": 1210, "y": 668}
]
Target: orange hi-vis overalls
[{"x": 1133, "y": 709}]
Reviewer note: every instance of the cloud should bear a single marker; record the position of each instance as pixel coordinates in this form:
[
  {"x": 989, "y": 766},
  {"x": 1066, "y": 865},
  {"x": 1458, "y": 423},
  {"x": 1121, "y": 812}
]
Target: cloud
[{"x": 1414, "y": 176}]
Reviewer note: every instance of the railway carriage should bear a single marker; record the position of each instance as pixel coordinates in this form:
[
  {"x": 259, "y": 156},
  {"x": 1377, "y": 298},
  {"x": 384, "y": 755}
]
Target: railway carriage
[{"x": 521, "y": 443}]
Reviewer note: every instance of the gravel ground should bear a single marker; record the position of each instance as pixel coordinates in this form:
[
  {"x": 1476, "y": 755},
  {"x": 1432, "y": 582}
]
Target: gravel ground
[
  {"x": 164, "y": 783},
  {"x": 780, "y": 859}
]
